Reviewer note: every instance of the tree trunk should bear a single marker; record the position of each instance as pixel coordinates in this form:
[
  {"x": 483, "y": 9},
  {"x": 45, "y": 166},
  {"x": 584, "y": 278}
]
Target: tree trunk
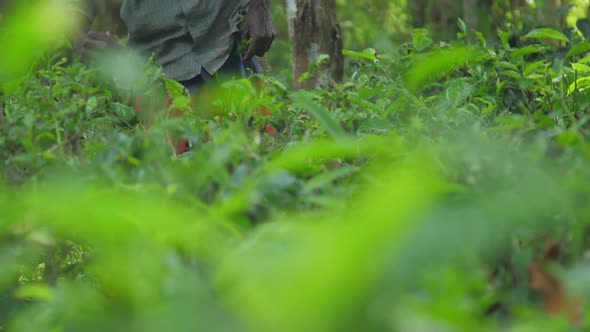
[
  {"x": 418, "y": 13},
  {"x": 550, "y": 12},
  {"x": 314, "y": 30},
  {"x": 470, "y": 14}
]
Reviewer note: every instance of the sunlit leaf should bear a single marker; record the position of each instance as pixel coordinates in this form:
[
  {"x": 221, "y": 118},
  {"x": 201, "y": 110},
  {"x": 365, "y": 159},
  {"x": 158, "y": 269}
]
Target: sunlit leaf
[
  {"x": 547, "y": 33},
  {"x": 306, "y": 100},
  {"x": 437, "y": 64}
]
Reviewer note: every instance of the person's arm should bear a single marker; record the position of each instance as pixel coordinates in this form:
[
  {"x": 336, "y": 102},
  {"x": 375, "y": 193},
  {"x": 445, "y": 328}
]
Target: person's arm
[{"x": 259, "y": 28}]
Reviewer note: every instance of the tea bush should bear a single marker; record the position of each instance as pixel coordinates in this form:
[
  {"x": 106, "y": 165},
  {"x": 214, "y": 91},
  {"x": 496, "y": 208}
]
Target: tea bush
[{"x": 415, "y": 196}]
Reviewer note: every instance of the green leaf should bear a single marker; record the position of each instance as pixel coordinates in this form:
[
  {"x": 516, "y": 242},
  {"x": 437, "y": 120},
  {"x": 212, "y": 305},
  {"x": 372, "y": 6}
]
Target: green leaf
[
  {"x": 578, "y": 49},
  {"x": 368, "y": 54},
  {"x": 534, "y": 67},
  {"x": 482, "y": 39},
  {"x": 504, "y": 36},
  {"x": 524, "y": 51},
  {"x": 326, "y": 179},
  {"x": 279, "y": 180},
  {"x": 304, "y": 99},
  {"x": 581, "y": 67},
  {"x": 26, "y": 33},
  {"x": 568, "y": 138},
  {"x": 124, "y": 112},
  {"x": 322, "y": 59},
  {"x": 581, "y": 84},
  {"x": 462, "y": 25},
  {"x": 35, "y": 291},
  {"x": 421, "y": 40},
  {"x": 376, "y": 124},
  {"x": 457, "y": 91},
  {"x": 436, "y": 64},
  {"x": 506, "y": 65},
  {"x": 547, "y": 33},
  {"x": 174, "y": 89},
  {"x": 274, "y": 82}
]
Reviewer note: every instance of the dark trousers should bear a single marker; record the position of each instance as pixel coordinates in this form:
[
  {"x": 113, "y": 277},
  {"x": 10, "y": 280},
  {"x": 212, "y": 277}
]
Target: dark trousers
[{"x": 233, "y": 67}]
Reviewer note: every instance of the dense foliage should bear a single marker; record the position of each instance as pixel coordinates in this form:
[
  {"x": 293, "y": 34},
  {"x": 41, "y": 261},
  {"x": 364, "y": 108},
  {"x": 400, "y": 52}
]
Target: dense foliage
[{"x": 441, "y": 187}]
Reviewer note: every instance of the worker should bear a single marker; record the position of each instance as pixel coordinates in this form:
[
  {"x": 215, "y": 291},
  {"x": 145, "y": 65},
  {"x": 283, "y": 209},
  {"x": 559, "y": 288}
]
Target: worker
[{"x": 192, "y": 39}]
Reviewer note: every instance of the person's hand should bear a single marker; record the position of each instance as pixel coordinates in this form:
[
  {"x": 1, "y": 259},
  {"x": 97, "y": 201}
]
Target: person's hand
[
  {"x": 258, "y": 28},
  {"x": 93, "y": 42}
]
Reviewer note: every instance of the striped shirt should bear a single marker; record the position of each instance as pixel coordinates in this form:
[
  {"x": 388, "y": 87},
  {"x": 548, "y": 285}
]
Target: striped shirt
[{"x": 185, "y": 36}]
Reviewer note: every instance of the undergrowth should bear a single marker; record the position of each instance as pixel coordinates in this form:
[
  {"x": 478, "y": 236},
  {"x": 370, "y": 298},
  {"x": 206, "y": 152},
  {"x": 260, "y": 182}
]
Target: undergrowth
[{"x": 416, "y": 195}]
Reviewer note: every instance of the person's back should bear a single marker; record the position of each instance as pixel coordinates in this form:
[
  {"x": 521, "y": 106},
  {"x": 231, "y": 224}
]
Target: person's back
[{"x": 185, "y": 36}]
